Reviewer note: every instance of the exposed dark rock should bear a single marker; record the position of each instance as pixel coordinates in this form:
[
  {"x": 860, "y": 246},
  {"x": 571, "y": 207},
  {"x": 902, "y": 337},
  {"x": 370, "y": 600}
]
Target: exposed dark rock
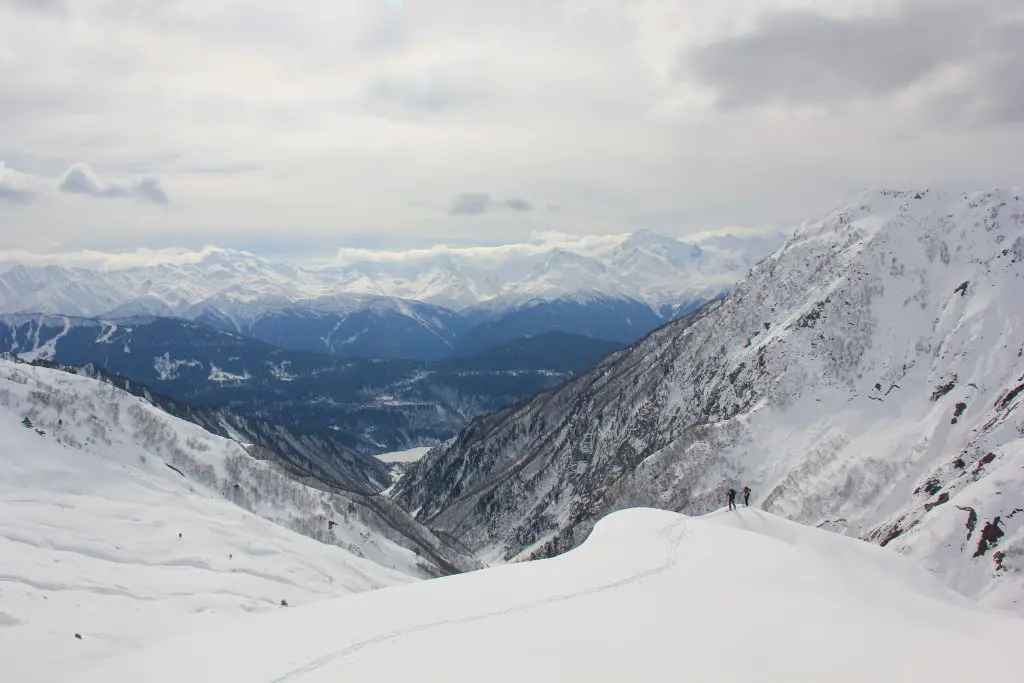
[
  {"x": 943, "y": 498},
  {"x": 943, "y": 389},
  {"x": 932, "y": 486},
  {"x": 174, "y": 468},
  {"x": 959, "y": 463},
  {"x": 972, "y": 519},
  {"x": 958, "y": 411},
  {"x": 990, "y": 535},
  {"x": 894, "y": 533},
  {"x": 1010, "y": 395},
  {"x": 962, "y": 289},
  {"x": 986, "y": 459},
  {"x": 998, "y": 557}
]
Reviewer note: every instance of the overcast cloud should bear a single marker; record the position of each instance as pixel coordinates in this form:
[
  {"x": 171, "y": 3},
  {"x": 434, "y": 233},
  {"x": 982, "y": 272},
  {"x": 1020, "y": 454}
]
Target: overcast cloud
[{"x": 306, "y": 126}]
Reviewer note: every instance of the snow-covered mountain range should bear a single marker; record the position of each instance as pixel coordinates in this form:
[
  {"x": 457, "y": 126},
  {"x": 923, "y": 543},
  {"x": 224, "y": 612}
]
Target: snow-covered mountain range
[
  {"x": 650, "y": 596},
  {"x": 867, "y": 378},
  {"x": 661, "y": 271}
]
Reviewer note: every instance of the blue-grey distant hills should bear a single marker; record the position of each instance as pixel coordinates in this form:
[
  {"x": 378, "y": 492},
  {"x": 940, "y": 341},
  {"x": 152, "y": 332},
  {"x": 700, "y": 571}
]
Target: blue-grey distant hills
[{"x": 367, "y": 405}]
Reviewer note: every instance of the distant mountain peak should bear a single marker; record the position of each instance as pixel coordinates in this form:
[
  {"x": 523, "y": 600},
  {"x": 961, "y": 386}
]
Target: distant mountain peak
[{"x": 646, "y": 266}]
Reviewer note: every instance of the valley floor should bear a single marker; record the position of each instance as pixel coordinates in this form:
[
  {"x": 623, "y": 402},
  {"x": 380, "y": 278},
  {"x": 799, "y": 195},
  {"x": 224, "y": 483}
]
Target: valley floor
[{"x": 651, "y": 595}]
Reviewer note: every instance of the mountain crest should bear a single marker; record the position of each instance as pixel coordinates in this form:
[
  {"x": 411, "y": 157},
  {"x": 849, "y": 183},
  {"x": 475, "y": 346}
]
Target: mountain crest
[{"x": 865, "y": 378}]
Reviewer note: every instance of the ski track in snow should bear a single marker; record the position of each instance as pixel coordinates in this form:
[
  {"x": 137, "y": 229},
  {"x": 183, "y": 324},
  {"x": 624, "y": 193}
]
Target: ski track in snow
[{"x": 673, "y": 533}]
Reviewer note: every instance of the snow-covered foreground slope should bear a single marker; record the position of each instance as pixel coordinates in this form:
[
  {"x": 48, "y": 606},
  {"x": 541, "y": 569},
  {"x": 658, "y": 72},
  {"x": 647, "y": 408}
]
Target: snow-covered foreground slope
[
  {"x": 867, "y": 378},
  {"x": 651, "y": 596},
  {"x": 127, "y": 525}
]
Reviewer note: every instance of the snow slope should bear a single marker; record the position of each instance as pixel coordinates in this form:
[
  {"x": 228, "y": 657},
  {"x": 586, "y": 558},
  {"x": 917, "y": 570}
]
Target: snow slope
[
  {"x": 867, "y": 378},
  {"x": 651, "y": 595},
  {"x": 127, "y": 525}
]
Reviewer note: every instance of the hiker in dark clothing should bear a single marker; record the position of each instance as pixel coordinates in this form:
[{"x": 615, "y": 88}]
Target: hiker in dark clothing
[
  {"x": 731, "y": 493},
  {"x": 746, "y": 496}
]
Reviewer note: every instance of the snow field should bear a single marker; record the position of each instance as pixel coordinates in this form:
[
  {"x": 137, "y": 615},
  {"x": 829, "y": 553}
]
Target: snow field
[
  {"x": 90, "y": 517},
  {"x": 651, "y": 595}
]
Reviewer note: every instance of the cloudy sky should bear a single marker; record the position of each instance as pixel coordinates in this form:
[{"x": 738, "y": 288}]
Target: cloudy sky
[{"x": 289, "y": 127}]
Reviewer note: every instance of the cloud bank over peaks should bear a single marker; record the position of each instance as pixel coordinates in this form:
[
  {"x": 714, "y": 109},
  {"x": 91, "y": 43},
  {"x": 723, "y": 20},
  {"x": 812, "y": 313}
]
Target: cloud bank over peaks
[
  {"x": 107, "y": 261},
  {"x": 542, "y": 242}
]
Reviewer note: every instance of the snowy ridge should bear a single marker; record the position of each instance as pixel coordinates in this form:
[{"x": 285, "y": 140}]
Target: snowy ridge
[
  {"x": 866, "y": 378},
  {"x": 651, "y": 595}
]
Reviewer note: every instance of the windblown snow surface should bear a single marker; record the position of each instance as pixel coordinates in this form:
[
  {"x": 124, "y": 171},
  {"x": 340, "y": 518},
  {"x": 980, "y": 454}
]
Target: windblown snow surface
[
  {"x": 650, "y": 596},
  {"x": 126, "y": 525}
]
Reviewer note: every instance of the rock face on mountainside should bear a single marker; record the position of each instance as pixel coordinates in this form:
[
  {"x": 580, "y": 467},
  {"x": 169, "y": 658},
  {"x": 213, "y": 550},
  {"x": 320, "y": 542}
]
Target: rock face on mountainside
[{"x": 867, "y": 378}]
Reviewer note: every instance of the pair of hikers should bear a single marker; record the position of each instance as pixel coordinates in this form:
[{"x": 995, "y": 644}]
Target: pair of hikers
[{"x": 731, "y": 495}]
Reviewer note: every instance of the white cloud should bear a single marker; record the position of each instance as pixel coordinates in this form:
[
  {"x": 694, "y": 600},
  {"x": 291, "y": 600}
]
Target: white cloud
[{"x": 15, "y": 187}]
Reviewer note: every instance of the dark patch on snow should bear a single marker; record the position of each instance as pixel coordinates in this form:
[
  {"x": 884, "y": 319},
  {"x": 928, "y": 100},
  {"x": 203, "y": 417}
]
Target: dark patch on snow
[
  {"x": 895, "y": 532},
  {"x": 931, "y": 487},
  {"x": 990, "y": 535},
  {"x": 1012, "y": 394},
  {"x": 943, "y": 389},
  {"x": 962, "y": 289},
  {"x": 972, "y": 519},
  {"x": 959, "y": 463},
  {"x": 941, "y": 500},
  {"x": 985, "y": 459},
  {"x": 958, "y": 410},
  {"x": 878, "y": 386},
  {"x": 998, "y": 557},
  {"x": 174, "y": 468},
  {"x": 811, "y": 318}
]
